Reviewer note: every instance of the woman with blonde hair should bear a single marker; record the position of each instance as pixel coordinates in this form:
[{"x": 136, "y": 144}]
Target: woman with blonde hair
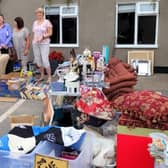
[{"x": 42, "y": 30}]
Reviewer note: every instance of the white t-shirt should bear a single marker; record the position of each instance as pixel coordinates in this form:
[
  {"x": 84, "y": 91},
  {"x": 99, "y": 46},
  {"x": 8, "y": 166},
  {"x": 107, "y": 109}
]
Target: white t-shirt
[{"x": 40, "y": 30}]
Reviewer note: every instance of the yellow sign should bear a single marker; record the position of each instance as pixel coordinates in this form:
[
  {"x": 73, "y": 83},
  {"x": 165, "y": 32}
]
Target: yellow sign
[{"x": 42, "y": 161}]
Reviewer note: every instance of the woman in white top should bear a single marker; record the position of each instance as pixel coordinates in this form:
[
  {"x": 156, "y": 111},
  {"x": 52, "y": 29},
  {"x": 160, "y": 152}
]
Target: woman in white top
[
  {"x": 21, "y": 41},
  {"x": 42, "y": 30}
]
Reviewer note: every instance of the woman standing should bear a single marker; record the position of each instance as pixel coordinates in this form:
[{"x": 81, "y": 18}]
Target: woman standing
[
  {"x": 21, "y": 41},
  {"x": 5, "y": 35},
  {"x": 6, "y": 42},
  {"x": 42, "y": 30}
]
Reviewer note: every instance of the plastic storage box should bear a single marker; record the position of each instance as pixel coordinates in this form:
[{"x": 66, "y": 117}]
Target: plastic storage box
[
  {"x": 160, "y": 165},
  {"x": 4, "y": 91},
  {"x": 14, "y": 160}
]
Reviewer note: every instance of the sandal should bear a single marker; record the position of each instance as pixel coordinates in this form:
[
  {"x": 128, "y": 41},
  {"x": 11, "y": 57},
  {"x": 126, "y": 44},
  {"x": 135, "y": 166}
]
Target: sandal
[
  {"x": 49, "y": 80},
  {"x": 40, "y": 79}
]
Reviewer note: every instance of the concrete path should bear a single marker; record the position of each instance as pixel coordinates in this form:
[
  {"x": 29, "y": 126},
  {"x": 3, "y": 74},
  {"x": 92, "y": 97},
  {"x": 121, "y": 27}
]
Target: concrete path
[
  {"x": 20, "y": 107},
  {"x": 158, "y": 82}
]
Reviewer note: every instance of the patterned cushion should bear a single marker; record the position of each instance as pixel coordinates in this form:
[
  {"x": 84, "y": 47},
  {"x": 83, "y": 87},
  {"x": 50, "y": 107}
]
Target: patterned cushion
[
  {"x": 132, "y": 122},
  {"x": 148, "y": 106},
  {"x": 94, "y": 103}
]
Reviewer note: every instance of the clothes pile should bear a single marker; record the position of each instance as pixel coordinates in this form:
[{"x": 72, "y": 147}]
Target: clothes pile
[
  {"x": 23, "y": 139},
  {"x": 121, "y": 78}
]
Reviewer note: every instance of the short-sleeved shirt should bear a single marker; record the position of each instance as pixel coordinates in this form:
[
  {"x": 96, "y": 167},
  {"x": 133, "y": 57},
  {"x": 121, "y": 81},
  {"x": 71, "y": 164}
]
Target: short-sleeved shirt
[
  {"x": 40, "y": 30},
  {"x": 19, "y": 40}
]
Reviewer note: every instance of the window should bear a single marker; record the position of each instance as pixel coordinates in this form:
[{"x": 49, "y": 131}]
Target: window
[
  {"x": 65, "y": 25},
  {"x": 137, "y": 24}
]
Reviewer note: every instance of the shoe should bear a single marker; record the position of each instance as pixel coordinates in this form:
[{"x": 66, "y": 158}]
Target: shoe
[
  {"x": 49, "y": 80},
  {"x": 40, "y": 79}
]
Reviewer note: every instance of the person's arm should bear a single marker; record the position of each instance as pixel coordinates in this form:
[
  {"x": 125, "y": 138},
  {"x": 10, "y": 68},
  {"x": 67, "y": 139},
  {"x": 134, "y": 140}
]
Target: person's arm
[
  {"x": 48, "y": 34},
  {"x": 27, "y": 46},
  {"x": 8, "y": 35},
  {"x": 49, "y": 31}
]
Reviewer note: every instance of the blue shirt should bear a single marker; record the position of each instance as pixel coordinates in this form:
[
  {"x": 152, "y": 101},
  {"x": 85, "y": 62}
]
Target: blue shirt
[{"x": 6, "y": 35}]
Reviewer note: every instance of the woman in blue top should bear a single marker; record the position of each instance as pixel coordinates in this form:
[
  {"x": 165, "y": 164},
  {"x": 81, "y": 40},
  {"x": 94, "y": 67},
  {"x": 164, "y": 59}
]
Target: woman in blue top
[
  {"x": 6, "y": 42},
  {"x": 5, "y": 35}
]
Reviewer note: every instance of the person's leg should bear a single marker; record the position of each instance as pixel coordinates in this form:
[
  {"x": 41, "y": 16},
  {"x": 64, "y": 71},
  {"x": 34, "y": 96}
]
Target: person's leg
[
  {"x": 38, "y": 59},
  {"x": 24, "y": 61},
  {"x": 45, "y": 49}
]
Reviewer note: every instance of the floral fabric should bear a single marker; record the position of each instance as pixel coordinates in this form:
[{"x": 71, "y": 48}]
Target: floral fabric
[
  {"x": 148, "y": 106},
  {"x": 55, "y": 55},
  {"x": 93, "y": 102}
]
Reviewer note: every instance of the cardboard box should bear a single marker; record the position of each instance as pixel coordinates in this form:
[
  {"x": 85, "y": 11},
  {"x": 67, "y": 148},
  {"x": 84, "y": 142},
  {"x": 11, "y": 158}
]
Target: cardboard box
[
  {"x": 16, "y": 83},
  {"x": 142, "y": 55},
  {"x": 21, "y": 120},
  {"x": 10, "y": 75}
]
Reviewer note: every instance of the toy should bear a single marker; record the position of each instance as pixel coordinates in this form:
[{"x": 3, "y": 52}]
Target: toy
[
  {"x": 73, "y": 61},
  {"x": 100, "y": 64},
  {"x": 72, "y": 82},
  {"x": 86, "y": 52}
]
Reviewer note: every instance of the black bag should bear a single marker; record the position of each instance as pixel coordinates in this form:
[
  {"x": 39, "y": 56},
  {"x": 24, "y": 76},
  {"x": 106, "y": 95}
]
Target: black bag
[
  {"x": 12, "y": 53},
  {"x": 12, "y": 59}
]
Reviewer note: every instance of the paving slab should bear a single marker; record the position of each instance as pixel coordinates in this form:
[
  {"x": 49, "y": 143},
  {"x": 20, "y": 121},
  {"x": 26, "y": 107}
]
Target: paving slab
[{"x": 28, "y": 107}]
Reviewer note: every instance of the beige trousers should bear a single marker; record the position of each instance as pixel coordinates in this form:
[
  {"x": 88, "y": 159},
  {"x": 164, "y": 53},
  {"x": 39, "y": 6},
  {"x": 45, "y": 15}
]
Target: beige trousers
[{"x": 3, "y": 62}]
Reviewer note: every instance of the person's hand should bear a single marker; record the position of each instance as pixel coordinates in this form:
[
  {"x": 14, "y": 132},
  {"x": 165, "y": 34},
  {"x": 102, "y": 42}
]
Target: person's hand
[
  {"x": 4, "y": 46},
  {"x": 40, "y": 39},
  {"x": 26, "y": 51}
]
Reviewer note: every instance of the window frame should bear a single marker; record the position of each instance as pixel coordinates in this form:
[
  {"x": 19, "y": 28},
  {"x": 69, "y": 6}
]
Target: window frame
[
  {"x": 61, "y": 16},
  {"x": 137, "y": 14}
]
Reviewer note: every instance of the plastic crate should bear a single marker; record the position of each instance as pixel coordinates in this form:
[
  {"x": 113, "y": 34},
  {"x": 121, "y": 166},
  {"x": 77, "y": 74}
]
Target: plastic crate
[
  {"x": 14, "y": 160},
  {"x": 84, "y": 160}
]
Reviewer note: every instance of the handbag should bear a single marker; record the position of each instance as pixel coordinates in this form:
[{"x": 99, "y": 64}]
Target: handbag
[{"x": 12, "y": 54}]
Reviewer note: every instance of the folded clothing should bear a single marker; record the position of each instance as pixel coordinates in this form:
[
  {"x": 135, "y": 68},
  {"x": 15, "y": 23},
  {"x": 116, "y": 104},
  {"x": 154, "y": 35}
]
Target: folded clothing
[{"x": 69, "y": 153}]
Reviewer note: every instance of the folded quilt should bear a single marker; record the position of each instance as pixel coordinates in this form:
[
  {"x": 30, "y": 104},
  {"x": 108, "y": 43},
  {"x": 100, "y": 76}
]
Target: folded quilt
[{"x": 23, "y": 139}]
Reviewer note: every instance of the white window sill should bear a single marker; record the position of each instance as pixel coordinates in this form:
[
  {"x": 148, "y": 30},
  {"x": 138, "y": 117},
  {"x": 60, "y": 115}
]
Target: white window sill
[
  {"x": 64, "y": 45},
  {"x": 136, "y": 46}
]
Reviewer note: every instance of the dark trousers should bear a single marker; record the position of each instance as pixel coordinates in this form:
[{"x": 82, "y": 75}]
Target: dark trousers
[{"x": 9, "y": 66}]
